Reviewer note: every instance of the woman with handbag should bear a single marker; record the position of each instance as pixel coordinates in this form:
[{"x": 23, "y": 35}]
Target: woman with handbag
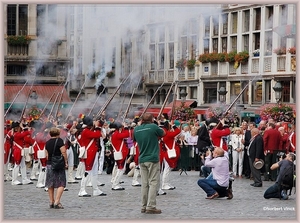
[{"x": 56, "y": 176}]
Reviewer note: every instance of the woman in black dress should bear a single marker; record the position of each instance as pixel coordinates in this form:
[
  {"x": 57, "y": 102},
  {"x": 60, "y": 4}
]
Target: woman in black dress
[{"x": 55, "y": 178}]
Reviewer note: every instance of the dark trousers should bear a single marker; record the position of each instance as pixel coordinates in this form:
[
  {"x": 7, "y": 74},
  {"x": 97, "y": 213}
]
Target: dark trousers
[
  {"x": 255, "y": 173},
  {"x": 269, "y": 160},
  {"x": 272, "y": 192},
  {"x": 246, "y": 165}
]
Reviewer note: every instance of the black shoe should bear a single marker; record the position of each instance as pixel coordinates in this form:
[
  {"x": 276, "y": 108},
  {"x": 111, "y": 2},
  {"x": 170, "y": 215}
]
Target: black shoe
[
  {"x": 121, "y": 188},
  {"x": 252, "y": 184},
  {"x": 58, "y": 206},
  {"x": 257, "y": 185},
  {"x": 101, "y": 185},
  {"x": 77, "y": 178}
]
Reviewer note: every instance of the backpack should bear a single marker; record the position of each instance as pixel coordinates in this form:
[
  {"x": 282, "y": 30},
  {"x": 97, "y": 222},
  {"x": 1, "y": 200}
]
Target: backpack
[{"x": 287, "y": 181}]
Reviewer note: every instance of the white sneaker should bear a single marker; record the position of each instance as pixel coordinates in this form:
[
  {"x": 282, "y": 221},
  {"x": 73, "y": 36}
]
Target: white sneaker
[
  {"x": 161, "y": 192},
  {"x": 98, "y": 192},
  {"x": 27, "y": 181},
  {"x": 16, "y": 182}
]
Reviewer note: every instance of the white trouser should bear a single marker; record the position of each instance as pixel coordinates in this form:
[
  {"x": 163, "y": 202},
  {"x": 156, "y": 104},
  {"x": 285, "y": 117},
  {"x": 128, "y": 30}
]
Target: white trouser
[{"x": 237, "y": 158}]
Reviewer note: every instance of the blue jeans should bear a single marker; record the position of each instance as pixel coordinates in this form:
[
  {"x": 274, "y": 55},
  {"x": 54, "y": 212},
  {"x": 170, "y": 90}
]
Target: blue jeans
[
  {"x": 272, "y": 192},
  {"x": 205, "y": 170},
  {"x": 210, "y": 186}
]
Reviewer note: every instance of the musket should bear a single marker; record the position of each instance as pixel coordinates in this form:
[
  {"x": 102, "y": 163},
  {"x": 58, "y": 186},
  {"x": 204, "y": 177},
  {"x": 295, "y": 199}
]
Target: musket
[
  {"x": 129, "y": 104},
  {"x": 121, "y": 106},
  {"x": 53, "y": 106},
  {"x": 145, "y": 109},
  {"x": 96, "y": 101},
  {"x": 234, "y": 101},
  {"x": 60, "y": 100},
  {"x": 112, "y": 96},
  {"x": 14, "y": 99},
  {"x": 44, "y": 109},
  {"x": 174, "y": 101},
  {"x": 165, "y": 102},
  {"x": 23, "y": 111},
  {"x": 75, "y": 102}
]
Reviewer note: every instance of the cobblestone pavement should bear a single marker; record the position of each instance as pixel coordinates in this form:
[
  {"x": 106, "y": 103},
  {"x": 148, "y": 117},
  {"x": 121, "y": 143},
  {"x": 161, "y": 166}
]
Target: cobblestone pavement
[{"x": 187, "y": 201}]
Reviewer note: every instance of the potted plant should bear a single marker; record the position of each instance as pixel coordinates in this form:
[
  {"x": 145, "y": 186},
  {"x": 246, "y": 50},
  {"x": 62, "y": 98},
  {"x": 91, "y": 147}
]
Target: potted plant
[
  {"x": 110, "y": 74},
  {"x": 242, "y": 57},
  {"x": 280, "y": 51},
  {"x": 292, "y": 50},
  {"x": 204, "y": 58},
  {"x": 230, "y": 56},
  {"x": 191, "y": 63},
  {"x": 256, "y": 53},
  {"x": 280, "y": 113},
  {"x": 18, "y": 40},
  {"x": 180, "y": 64},
  {"x": 222, "y": 57}
]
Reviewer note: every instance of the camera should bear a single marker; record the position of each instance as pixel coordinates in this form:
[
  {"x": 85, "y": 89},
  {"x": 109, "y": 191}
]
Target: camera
[
  {"x": 281, "y": 155},
  {"x": 204, "y": 150}
]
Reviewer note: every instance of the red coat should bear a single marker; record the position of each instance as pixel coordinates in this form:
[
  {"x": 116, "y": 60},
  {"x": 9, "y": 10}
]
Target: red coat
[
  {"x": 272, "y": 140},
  {"x": 284, "y": 142},
  {"x": 85, "y": 138},
  {"x": 18, "y": 145},
  {"x": 168, "y": 140},
  {"x": 7, "y": 144},
  {"x": 216, "y": 136},
  {"x": 116, "y": 140}
]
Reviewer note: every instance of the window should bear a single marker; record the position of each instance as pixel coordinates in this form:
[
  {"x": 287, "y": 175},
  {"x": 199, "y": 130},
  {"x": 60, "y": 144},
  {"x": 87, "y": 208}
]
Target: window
[
  {"x": 234, "y": 22},
  {"x": 210, "y": 92},
  {"x": 268, "y": 43},
  {"x": 268, "y": 90},
  {"x": 225, "y": 23},
  {"x": 46, "y": 70},
  {"x": 256, "y": 39},
  {"x": 46, "y": 19},
  {"x": 245, "y": 43},
  {"x": 206, "y": 45},
  {"x": 286, "y": 91},
  {"x": 207, "y": 27},
  {"x": 269, "y": 17},
  {"x": 257, "y": 19},
  {"x": 152, "y": 56},
  {"x": 193, "y": 92},
  {"x": 215, "y": 45},
  {"x": 235, "y": 89},
  {"x": 246, "y": 23},
  {"x": 216, "y": 26},
  {"x": 161, "y": 56},
  {"x": 283, "y": 14},
  {"x": 16, "y": 70},
  {"x": 171, "y": 53},
  {"x": 183, "y": 46},
  {"x": 17, "y": 19},
  {"x": 233, "y": 43},
  {"x": 245, "y": 95},
  {"x": 224, "y": 44},
  {"x": 171, "y": 33},
  {"x": 257, "y": 92}
]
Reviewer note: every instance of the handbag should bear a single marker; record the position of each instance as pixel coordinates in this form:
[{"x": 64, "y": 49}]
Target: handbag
[
  {"x": 58, "y": 162},
  {"x": 118, "y": 154},
  {"x": 83, "y": 150},
  {"x": 171, "y": 152}
]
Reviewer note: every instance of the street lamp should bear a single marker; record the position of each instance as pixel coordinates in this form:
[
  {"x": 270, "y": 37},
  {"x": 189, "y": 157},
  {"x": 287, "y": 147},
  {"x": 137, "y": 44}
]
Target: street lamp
[
  {"x": 33, "y": 95},
  {"x": 278, "y": 91},
  {"x": 222, "y": 92}
]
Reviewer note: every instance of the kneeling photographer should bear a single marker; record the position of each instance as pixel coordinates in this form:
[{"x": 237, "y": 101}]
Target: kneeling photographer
[{"x": 217, "y": 185}]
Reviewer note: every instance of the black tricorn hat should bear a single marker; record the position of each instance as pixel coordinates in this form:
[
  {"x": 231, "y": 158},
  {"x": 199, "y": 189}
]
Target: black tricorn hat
[
  {"x": 88, "y": 121},
  {"x": 15, "y": 124}
]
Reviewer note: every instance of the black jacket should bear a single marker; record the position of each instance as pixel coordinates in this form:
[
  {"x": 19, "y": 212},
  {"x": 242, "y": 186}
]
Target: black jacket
[{"x": 203, "y": 138}]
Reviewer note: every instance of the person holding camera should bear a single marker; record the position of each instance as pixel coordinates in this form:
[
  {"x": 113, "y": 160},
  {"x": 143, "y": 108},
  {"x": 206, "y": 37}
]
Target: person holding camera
[
  {"x": 285, "y": 165},
  {"x": 217, "y": 185}
]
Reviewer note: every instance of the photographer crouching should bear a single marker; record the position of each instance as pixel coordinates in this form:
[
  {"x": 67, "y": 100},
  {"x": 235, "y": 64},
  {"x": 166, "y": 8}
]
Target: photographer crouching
[{"x": 217, "y": 185}]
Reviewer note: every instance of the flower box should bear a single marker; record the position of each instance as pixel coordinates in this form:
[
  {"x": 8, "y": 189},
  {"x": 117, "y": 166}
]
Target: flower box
[
  {"x": 18, "y": 40},
  {"x": 292, "y": 50},
  {"x": 280, "y": 51}
]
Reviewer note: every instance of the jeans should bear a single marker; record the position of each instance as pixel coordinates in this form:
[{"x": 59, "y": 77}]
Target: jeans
[
  {"x": 210, "y": 186},
  {"x": 272, "y": 192},
  {"x": 205, "y": 170}
]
